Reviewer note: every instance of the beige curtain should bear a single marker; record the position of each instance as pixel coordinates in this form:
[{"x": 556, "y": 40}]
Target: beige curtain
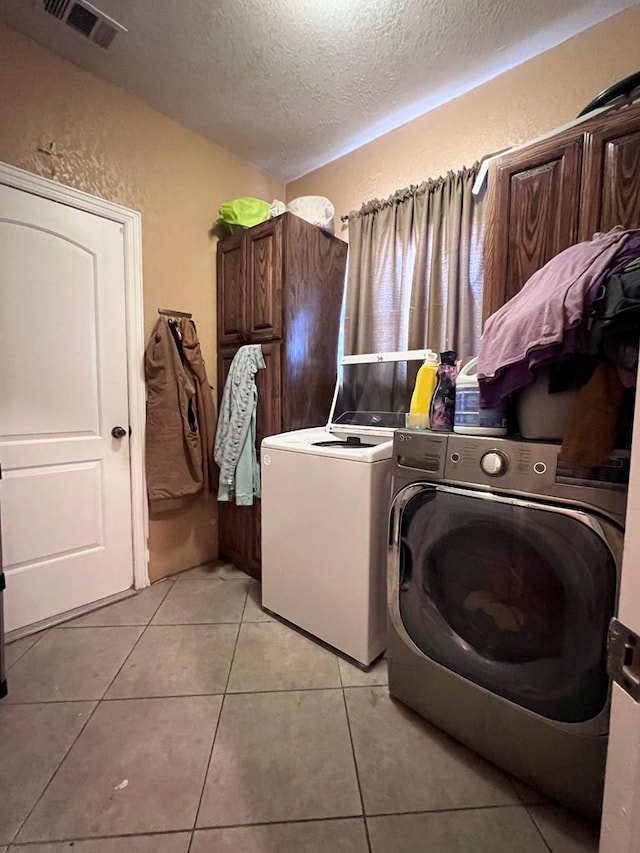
[{"x": 415, "y": 270}]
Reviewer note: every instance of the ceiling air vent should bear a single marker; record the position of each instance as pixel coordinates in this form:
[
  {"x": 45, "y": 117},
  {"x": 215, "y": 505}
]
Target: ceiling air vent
[
  {"x": 84, "y": 18},
  {"x": 57, "y": 8}
]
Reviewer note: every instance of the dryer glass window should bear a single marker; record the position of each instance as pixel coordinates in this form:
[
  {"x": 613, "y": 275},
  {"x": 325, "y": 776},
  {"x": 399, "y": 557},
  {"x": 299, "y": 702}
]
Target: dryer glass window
[{"x": 514, "y": 598}]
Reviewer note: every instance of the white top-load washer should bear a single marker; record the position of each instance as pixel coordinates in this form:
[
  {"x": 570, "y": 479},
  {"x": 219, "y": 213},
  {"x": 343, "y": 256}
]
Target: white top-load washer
[{"x": 325, "y": 505}]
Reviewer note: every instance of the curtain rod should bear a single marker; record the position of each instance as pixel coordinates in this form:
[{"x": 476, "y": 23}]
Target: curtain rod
[{"x": 412, "y": 190}]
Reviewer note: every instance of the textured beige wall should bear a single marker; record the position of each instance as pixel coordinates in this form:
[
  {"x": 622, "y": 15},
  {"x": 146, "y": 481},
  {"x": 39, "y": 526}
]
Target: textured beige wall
[
  {"x": 114, "y": 146},
  {"x": 522, "y": 103}
]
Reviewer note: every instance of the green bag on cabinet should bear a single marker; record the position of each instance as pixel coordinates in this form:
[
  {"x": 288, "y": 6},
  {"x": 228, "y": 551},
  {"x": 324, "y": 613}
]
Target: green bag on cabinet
[{"x": 242, "y": 213}]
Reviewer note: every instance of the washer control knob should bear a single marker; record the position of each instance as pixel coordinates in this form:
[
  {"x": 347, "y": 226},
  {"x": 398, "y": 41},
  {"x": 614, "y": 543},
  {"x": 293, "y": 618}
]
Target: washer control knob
[{"x": 494, "y": 463}]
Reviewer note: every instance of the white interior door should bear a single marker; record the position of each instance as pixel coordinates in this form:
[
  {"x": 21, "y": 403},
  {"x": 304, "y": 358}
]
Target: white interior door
[
  {"x": 65, "y": 490},
  {"x": 621, "y": 812}
]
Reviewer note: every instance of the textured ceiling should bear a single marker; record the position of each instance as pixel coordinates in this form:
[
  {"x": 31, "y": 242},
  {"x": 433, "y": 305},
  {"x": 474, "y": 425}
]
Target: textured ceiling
[{"x": 291, "y": 84}]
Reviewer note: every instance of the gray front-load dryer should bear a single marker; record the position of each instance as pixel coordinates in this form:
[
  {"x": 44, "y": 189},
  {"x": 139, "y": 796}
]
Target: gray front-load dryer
[{"x": 502, "y": 578}]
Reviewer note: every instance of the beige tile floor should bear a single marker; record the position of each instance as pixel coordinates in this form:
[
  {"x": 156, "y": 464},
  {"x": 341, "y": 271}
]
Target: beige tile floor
[{"x": 187, "y": 720}]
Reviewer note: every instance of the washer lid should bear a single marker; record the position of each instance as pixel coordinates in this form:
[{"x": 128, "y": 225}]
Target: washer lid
[
  {"x": 319, "y": 441},
  {"x": 373, "y": 391}
]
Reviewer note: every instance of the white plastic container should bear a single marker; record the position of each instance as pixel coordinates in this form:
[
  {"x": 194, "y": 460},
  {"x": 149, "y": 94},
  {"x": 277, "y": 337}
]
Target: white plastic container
[
  {"x": 315, "y": 209},
  {"x": 469, "y": 418}
]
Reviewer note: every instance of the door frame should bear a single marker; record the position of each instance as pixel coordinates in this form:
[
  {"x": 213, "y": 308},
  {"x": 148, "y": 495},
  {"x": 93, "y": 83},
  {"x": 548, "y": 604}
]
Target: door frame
[{"x": 131, "y": 223}]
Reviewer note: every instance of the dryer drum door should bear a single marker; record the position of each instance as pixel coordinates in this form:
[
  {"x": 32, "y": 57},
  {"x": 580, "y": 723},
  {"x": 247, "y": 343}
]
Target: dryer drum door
[{"x": 514, "y": 595}]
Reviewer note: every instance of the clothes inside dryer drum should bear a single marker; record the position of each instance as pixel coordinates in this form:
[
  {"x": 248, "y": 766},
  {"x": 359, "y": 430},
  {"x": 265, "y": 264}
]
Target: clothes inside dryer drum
[
  {"x": 506, "y": 601},
  {"x": 514, "y": 598}
]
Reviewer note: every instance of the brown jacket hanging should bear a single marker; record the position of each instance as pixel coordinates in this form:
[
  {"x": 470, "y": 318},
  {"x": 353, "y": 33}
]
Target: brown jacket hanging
[
  {"x": 174, "y": 458},
  {"x": 204, "y": 401}
]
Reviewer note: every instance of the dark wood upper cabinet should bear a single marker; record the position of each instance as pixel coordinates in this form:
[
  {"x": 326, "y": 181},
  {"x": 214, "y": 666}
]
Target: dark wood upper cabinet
[
  {"x": 311, "y": 311},
  {"x": 231, "y": 284},
  {"x": 249, "y": 272},
  {"x": 611, "y": 175},
  {"x": 552, "y": 194},
  {"x": 292, "y": 283},
  {"x": 533, "y": 213},
  {"x": 264, "y": 280}
]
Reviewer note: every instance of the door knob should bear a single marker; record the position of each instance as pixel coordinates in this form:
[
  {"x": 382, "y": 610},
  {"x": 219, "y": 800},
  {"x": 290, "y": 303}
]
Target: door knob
[{"x": 118, "y": 432}]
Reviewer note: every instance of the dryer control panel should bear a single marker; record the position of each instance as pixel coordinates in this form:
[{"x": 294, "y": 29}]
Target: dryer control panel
[
  {"x": 510, "y": 465},
  {"x": 501, "y": 463}
]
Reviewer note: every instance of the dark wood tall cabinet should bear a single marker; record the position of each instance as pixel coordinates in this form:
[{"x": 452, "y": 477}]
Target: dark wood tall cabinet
[
  {"x": 611, "y": 183},
  {"x": 279, "y": 284},
  {"x": 554, "y": 193}
]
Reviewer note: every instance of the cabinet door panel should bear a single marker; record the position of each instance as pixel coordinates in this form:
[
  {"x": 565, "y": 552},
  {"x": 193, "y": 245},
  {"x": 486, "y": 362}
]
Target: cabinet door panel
[
  {"x": 269, "y": 422},
  {"x": 225, "y": 357},
  {"x": 268, "y": 416},
  {"x": 264, "y": 280},
  {"x": 231, "y": 291},
  {"x": 533, "y": 209},
  {"x": 236, "y": 533},
  {"x": 269, "y": 419},
  {"x": 235, "y": 523},
  {"x": 612, "y": 175},
  {"x": 314, "y": 267}
]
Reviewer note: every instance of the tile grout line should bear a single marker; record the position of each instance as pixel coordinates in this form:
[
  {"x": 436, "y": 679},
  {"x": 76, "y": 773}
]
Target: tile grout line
[
  {"x": 215, "y": 732},
  {"x": 206, "y": 773},
  {"x": 244, "y": 606},
  {"x": 511, "y": 781},
  {"x": 70, "y": 841},
  {"x": 26, "y": 651},
  {"x": 187, "y": 831},
  {"x": 175, "y": 695},
  {"x": 278, "y": 822},
  {"x": 135, "y": 645},
  {"x": 537, "y": 828},
  {"x": 359, "y": 816},
  {"x": 55, "y": 772},
  {"x": 235, "y": 647},
  {"x": 355, "y": 762},
  {"x": 184, "y": 831},
  {"x": 194, "y": 695},
  {"x": 494, "y": 806},
  {"x": 525, "y": 806},
  {"x": 75, "y": 740}
]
